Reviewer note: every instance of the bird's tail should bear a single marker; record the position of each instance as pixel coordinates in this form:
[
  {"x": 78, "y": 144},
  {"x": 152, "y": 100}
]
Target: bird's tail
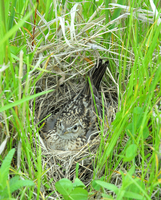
[{"x": 96, "y": 74}]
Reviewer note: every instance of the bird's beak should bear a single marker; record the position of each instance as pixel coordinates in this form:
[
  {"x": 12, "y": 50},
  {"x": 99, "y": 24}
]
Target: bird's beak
[{"x": 64, "y": 131}]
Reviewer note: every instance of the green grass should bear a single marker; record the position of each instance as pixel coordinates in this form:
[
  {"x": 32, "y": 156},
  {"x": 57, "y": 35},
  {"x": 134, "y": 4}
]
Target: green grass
[{"x": 130, "y": 156}]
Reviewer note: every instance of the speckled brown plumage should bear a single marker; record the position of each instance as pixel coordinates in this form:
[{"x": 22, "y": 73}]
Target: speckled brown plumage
[{"x": 72, "y": 126}]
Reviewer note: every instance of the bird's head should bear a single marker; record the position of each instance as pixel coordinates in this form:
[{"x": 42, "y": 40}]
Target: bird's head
[{"x": 68, "y": 129}]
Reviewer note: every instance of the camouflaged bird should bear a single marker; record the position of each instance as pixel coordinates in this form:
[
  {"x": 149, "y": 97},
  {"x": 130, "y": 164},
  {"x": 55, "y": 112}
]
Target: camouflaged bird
[{"x": 74, "y": 124}]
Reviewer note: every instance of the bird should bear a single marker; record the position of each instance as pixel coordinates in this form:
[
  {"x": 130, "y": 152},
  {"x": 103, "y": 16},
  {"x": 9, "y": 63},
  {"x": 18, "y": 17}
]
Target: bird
[{"x": 71, "y": 127}]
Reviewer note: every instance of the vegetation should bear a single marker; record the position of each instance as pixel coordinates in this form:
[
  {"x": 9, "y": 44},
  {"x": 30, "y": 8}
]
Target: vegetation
[
  {"x": 127, "y": 33},
  {"x": 7, "y": 187}
]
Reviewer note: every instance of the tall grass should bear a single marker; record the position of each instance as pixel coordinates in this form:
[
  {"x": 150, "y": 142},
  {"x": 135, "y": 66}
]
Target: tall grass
[{"x": 130, "y": 157}]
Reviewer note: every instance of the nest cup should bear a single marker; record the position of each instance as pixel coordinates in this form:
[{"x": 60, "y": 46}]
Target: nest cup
[{"x": 62, "y": 164}]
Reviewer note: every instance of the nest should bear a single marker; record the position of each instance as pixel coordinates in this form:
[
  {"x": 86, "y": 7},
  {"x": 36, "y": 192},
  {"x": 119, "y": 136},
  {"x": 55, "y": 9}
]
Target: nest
[
  {"x": 62, "y": 164},
  {"x": 63, "y": 69}
]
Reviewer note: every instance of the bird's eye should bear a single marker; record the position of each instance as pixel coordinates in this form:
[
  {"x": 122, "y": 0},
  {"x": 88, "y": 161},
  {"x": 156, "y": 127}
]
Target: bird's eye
[{"x": 75, "y": 127}]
